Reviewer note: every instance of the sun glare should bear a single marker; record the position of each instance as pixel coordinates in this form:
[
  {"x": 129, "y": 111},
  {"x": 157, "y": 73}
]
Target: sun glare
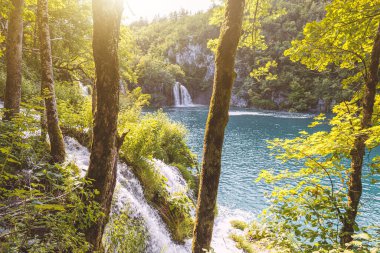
[{"x": 148, "y": 9}]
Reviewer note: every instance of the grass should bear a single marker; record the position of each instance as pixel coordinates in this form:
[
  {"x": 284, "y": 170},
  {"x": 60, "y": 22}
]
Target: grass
[
  {"x": 241, "y": 225},
  {"x": 242, "y": 243}
]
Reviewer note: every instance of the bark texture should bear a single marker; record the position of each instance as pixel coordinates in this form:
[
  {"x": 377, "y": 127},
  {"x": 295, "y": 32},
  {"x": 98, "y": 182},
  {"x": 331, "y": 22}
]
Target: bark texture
[
  {"x": 216, "y": 123},
  {"x": 105, "y": 143},
  {"x": 355, "y": 187},
  {"x": 57, "y": 146},
  {"x": 12, "y": 97}
]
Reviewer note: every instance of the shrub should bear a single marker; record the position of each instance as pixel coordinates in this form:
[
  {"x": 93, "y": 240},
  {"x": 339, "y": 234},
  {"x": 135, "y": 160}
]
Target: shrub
[
  {"x": 241, "y": 225},
  {"x": 156, "y": 136},
  {"x": 43, "y": 207},
  {"x": 125, "y": 233},
  {"x": 69, "y": 92}
]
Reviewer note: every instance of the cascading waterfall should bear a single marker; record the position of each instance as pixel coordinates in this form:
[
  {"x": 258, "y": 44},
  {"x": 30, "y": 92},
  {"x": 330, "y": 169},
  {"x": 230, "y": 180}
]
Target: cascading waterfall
[
  {"x": 181, "y": 96},
  {"x": 129, "y": 192},
  {"x": 221, "y": 242}
]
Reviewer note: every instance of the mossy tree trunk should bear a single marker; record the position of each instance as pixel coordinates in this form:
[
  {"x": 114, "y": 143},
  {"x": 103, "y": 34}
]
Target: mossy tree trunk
[
  {"x": 216, "y": 123},
  {"x": 102, "y": 169},
  {"x": 12, "y": 97},
  {"x": 57, "y": 145},
  {"x": 357, "y": 153}
]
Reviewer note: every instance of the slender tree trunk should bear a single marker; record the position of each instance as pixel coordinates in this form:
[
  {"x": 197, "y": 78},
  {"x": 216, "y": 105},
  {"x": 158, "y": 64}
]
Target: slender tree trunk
[
  {"x": 358, "y": 152},
  {"x": 102, "y": 169},
  {"x": 217, "y": 121},
  {"x": 12, "y": 98},
  {"x": 57, "y": 145}
]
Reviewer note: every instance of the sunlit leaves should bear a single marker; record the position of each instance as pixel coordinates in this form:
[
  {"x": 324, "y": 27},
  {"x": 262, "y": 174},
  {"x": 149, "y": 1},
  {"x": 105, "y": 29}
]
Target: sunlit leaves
[
  {"x": 314, "y": 194},
  {"x": 255, "y": 12},
  {"x": 38, "y": 196},
  {"x": 343, "y": 38},
  {"x": 264, "y": 71}
]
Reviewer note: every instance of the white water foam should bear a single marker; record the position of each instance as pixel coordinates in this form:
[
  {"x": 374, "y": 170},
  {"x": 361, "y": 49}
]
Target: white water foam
[
  {"x": 175, "y": 181},
  {"x": 221, "y": 242},
  {"x": 77, "y": 154},
  {"x": 286, "y": 115}
]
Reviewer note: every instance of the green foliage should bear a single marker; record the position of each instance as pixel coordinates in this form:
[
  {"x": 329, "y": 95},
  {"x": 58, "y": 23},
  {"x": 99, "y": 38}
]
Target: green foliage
[
  {"x": 266, "y": 78},
  {"x": 179, "y": 217},
  {"x": 124, "y": 233},
  {"x": 77, "y": 117},
  {"x": 43, "y": 207},
  {"x": 343, "y": 38},
  {"x": 69, "y": 92},
  {"x": 256, "y": 11},
  {"x": 155, "y": 136},
  {"x": 310, "y": 206},
  {"x": 179, "y": 40},
  {"x": 157, "y": 77},
  {"x": 241, "y": 225},
  {"x": 4, "y": 11},
  {"x": 242, "y": 243},
  {"x": 71, "y": 27},
  {"x": 258, "y": 237}
]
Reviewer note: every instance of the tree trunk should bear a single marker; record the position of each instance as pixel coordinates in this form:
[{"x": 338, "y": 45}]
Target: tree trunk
[
  {"x": 102, "y": 169},
  {"x": 12, "y": 97},
  {"x": 57, "y": 145},
  {"x": 217, "y": 121},
  {"x": 358, "y": 151}
]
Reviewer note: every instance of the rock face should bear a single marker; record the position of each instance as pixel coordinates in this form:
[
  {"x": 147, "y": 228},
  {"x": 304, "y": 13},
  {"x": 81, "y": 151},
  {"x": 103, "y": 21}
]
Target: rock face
[{"x": 238, "y": 101}]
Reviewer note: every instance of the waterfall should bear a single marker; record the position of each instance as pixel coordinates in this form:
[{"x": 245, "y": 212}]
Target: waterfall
[
  {"x": 181, "y": 96},
  {"x": 85, "y": 90},
  {"x": 175, "y": 181},
  {"x": 129, "y": 192}
]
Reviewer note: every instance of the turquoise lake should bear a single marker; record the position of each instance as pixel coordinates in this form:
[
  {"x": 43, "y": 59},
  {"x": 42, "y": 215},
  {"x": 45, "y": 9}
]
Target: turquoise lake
[{"x": 245, "y": 154}]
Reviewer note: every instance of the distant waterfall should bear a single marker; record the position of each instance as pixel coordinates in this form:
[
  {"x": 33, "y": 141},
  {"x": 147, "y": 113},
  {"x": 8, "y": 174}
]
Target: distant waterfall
[
  {"x": 85, "y": 89},
  {"x": 181, "y": 95}
]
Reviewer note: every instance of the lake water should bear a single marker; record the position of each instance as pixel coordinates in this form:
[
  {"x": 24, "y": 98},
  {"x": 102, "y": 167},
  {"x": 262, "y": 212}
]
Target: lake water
[{"x": 245, "y": 154}]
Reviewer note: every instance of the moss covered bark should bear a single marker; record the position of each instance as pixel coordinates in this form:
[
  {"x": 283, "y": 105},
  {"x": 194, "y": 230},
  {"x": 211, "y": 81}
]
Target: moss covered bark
[
  {"x": 355, "y": 187},
  {"x": 216, "y": 124},
  {"x": 12, "y": 97},
  {"x": 57, "y": 146},
  {"x": 102, "y": 169}
]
